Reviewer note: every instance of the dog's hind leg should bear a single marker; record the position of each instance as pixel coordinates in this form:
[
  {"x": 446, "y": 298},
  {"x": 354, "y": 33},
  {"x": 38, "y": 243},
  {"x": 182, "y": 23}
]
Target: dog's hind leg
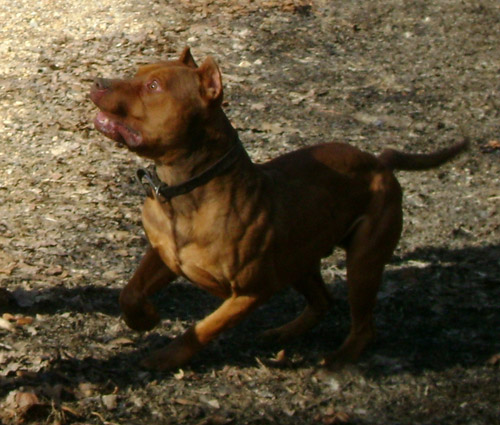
[
  {"x": 368, "y": 251},
  {"x": 318, "y": 302}
]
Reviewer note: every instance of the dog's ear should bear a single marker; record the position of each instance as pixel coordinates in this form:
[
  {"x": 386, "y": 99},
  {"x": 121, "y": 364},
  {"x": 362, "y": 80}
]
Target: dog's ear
[
  {"x": 187, "y": 59},
  {"x": 211, "y": 82}
]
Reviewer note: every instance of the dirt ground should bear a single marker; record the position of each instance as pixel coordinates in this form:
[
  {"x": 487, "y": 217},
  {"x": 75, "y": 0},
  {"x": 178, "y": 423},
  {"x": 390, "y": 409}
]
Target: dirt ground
[{"x": 415, "y": 75}]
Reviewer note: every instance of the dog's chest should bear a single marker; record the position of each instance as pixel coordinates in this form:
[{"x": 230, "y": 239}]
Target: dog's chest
[{"x": 188, "y": 245}]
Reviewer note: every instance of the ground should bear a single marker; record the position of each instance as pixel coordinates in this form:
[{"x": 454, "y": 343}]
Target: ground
[{"x": 411, "y": 75}]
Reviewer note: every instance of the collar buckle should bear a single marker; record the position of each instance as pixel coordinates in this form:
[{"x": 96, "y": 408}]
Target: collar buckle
[{"x": 149, "y": 182}]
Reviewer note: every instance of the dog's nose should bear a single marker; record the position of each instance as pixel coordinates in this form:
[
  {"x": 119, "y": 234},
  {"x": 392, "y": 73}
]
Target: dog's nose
[{"x": 102, "y": 83}]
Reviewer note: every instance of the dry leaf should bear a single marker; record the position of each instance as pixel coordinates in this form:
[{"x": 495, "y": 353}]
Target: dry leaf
[
  {"x": 184, "y": 402},
  {"x": 258, "y": 106},
  {"x": 8, "y": 316},
  {"x": 87, "y": 389},
  {"x": 71, "y": 411},
  {"x": 110, "y": 401},
  {"x": 494, "y": 144},
  {"x": 215, "y": 420},
  {"x": 22, "y": 321},
  {"x": 5, "y": 324},
  {"x": 54, "y": 270},
  {"x": 494, "y": 360},
  {"x": 179, "y": 375},
  {"x": 122, "y": 341},
  {"x": 7, "y": 269},
  {"x": 331, "y": 417},
  {"x": 281, "y": 357},
  {"x": 26, "y": 400},
  {"x": 213, "y": 403},
  {"x": 274, "y": 128}
]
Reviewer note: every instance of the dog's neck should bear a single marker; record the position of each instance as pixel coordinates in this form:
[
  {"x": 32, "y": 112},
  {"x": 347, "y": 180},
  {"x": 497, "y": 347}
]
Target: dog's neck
[{"x": 198, "y": 154}]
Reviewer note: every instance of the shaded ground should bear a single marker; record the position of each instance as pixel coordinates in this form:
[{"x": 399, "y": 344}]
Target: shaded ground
[{"x": 413, "y": 75}]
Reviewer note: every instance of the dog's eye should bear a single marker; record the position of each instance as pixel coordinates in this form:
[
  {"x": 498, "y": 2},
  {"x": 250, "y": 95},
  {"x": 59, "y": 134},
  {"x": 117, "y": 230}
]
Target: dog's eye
[{"x": 153, "y": 85}]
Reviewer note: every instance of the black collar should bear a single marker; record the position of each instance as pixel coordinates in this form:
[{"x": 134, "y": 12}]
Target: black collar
[{"x": 154, "y": 187}]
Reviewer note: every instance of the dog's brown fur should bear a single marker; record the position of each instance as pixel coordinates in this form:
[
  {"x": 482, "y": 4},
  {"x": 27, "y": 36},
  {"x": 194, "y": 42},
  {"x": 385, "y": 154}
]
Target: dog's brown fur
[{"x": 254, "y": 229}]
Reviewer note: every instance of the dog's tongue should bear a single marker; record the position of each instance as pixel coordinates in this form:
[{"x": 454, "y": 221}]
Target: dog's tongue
[
  {"x": 111, "y": 127},
  {"x": 108, "y": 127}
]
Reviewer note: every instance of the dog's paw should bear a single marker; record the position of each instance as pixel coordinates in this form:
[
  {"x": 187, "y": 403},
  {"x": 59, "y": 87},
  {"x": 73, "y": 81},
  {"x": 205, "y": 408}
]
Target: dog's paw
[
  {"x": 339, "y": 359},
  {"x": 139, "y": 314},
  {"x": 157, "y": 361},
  {"x": 142, "y": 318},
  {"x": 330, "y": 363},
  {"x": 141, "y": 323},
  {"x": 273, "y": 337},
  {"x": 173, "y": 356}
]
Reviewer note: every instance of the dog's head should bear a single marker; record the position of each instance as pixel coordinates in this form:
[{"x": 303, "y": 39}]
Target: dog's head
[{"x": 159, "y": 108}]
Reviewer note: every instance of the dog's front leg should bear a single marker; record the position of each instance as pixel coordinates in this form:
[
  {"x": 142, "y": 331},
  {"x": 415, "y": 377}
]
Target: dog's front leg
[
  {"x": 151, "y": 275},
  {"x": 182, "y": 348}
]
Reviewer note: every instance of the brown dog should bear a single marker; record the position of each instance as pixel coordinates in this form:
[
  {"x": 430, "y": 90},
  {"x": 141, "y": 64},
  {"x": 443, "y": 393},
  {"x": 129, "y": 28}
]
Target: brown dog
[{"x": 243, "y": 231}]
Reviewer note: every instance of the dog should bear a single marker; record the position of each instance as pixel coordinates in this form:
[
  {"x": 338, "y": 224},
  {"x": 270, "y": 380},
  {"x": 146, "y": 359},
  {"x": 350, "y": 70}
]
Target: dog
[{"x": 244, "y": 231}]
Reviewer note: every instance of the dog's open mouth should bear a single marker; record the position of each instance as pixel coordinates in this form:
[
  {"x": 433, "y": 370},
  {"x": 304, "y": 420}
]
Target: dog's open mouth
[{"x": 113, "y": 128}]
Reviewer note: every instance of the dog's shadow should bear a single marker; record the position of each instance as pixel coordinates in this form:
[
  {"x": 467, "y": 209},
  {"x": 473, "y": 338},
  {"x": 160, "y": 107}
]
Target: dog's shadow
[{"x": 437, "y": 308}]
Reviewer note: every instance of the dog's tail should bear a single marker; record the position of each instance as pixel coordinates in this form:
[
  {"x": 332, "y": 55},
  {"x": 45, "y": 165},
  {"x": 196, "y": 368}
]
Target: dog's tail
[{"x": 396, "y": 160}]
